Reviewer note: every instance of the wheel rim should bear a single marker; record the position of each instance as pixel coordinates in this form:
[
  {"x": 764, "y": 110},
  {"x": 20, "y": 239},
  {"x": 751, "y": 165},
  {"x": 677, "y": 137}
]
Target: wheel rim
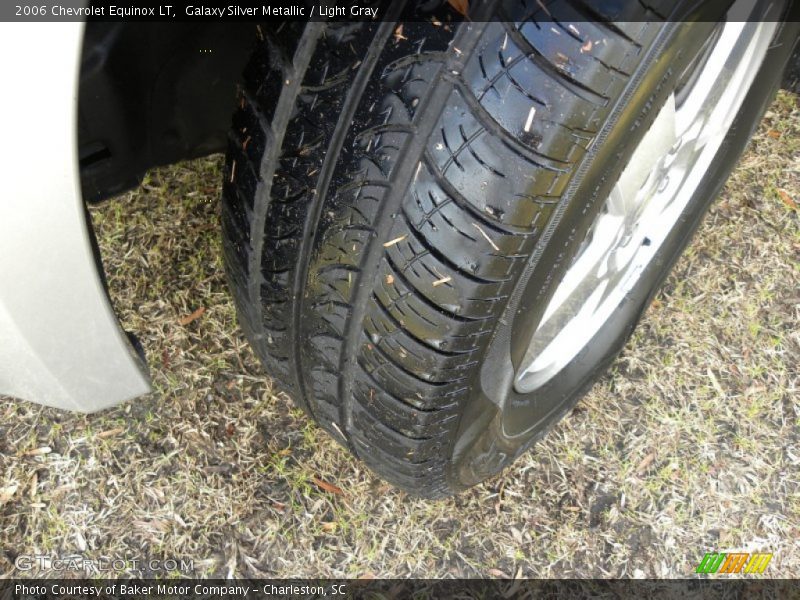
[{"x": 646, "y": 204}]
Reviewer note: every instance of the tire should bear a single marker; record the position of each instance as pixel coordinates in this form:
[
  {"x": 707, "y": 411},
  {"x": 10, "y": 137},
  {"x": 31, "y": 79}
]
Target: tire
[{"x": 401, "y": 203}]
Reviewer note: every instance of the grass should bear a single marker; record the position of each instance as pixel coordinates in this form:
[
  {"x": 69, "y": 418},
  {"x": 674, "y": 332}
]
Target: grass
[{"x": 690, "y": 444}]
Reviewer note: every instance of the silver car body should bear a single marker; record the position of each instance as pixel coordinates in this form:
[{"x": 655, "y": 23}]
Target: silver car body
[{"x": 60, "y": 342}]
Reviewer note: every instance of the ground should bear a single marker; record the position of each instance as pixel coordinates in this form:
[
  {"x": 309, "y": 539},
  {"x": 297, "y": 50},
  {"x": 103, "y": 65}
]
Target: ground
[{"x": 690, "y": 444}]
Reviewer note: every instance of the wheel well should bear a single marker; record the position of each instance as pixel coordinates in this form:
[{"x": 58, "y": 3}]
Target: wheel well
[{"x": 153, "y": 94}]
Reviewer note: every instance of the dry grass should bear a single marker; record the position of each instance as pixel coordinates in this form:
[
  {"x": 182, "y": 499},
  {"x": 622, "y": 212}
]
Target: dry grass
[{"x": 690, "y": 444}]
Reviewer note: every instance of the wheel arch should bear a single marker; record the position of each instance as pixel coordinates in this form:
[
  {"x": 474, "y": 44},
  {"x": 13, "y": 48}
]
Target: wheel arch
[{"x": 152, "y": 94}]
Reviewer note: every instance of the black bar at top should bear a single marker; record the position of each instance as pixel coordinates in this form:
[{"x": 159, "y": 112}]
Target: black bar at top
[{"x": 441, "y": 11}]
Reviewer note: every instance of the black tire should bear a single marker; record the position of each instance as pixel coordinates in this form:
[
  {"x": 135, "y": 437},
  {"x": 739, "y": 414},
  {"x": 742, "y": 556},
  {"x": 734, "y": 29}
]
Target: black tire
[{"x": 387, "y": 212}]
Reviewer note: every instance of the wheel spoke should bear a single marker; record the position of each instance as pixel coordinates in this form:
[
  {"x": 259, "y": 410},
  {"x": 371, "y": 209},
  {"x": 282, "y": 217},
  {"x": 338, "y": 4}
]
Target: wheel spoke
[{"x": 657, "y": 142}]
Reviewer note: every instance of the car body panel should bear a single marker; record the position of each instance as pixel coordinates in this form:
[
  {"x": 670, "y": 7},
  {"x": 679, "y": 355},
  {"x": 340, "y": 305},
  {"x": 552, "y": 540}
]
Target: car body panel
[{"x": 60, "y": 341}]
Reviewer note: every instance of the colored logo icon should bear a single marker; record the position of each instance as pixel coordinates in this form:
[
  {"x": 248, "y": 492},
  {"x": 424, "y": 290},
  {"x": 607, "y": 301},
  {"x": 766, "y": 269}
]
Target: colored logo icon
[{"x": 734, "y": 562}]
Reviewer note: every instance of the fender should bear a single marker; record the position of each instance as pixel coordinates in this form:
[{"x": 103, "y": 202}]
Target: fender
[{"x": 60, "y": 342}]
